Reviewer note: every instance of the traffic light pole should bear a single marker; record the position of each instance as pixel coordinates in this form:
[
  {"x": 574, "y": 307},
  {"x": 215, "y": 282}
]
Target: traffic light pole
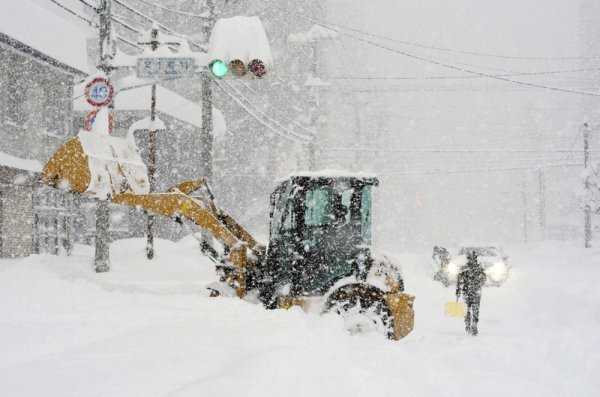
[
  {"x": 102, "y": 246},
  {"x": 151, "y": 173},
  {"x": 152, "y": 155},
  {"x": 207, "y": 126},
  {"x": 206, "y": 145}
]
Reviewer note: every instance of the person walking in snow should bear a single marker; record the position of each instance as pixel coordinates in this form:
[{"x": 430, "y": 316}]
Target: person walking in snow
[{"x": 469, "y": 284}]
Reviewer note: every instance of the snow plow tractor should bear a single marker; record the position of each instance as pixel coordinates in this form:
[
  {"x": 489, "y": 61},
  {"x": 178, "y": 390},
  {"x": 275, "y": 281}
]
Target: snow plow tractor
[{"x": 318, "y": 257}]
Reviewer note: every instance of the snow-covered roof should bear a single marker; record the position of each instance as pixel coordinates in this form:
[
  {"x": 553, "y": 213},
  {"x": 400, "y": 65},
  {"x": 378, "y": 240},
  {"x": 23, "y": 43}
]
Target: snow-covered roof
[
  {"x": 8, "y": 160},
  {"x": 37, "y": 27},
  {"x": 242, "y": 38},
  {"x": 167, "y": 102}
]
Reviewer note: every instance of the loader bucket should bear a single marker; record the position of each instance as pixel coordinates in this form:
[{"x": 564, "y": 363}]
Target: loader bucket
[{"x": 98, "y": 165}]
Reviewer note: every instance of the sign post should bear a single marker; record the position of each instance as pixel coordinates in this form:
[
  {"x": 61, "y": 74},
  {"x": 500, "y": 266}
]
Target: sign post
[
  {"x": 88, "y": 124},
  {"x": 164, "y": 68}
]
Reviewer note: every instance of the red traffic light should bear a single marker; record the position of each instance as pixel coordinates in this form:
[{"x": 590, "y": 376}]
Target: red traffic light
[{"x": 257, "y": 67}]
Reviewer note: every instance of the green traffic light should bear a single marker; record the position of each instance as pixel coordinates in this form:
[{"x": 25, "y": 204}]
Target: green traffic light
[{"x": 218, "y": 69}]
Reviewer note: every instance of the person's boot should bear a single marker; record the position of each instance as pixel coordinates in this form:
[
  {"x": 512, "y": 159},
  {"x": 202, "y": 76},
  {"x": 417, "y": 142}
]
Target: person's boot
[
  {"x": 468, "y": 324},
  {"x": 474, "y": 330}
]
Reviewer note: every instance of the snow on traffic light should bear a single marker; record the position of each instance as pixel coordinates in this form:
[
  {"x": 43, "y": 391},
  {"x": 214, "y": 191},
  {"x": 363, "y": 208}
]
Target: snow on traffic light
[{"x": 237, "y": 46}]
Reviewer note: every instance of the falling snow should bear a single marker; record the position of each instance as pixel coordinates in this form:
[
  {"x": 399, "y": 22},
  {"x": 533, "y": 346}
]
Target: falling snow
[{"x": 308, "y": 156}]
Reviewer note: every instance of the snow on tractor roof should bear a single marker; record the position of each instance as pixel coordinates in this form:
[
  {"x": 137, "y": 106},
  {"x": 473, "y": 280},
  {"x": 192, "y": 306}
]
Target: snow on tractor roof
[
  {"x": 328, "y": 173},
  {"x": 479, "y": 244},
  {"x": 242, "y": 38}
]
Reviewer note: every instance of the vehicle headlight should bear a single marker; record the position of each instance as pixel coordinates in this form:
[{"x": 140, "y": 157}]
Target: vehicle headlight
[
  {"x": 452, "y": 269},
  {"x": 498, "y": 271}
]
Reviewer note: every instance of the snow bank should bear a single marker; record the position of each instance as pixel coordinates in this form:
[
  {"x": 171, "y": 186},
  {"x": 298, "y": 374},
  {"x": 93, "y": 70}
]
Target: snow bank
[{"x": 147, "y": 328}]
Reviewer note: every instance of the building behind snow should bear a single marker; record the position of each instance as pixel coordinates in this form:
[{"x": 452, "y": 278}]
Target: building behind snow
[{"x": 36, "y": 79}]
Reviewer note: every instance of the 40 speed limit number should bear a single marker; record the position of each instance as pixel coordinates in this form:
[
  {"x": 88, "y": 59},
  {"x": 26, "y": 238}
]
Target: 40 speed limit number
[{"x": 99, "y": 92}]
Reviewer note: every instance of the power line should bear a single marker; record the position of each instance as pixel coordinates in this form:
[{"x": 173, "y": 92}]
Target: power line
[
  {"x": 262, "y": 121},
  {"x": 189, "y": 14},
  {"x": 319, "y": 148},
  {"x": 461, "y": 151},
  {"x": 121, "y": 21},
  {"x": 481, "y": 170},
  {"x": 88, "y": 5},
  {"x": 452, "y": 50},
  {"x": 160, "y": 25},
  {"x": 457, "y": 77},
  {"x": 91, "y": 23},
  {"x": 277, "y": 110},
  {"x": 434, "y": 62},
  {"x": 129, "y": 42},
  {"x": 240, "y": 95},
  {"x": 476, "y": 170},
  {"x": 257, "y": 118}
]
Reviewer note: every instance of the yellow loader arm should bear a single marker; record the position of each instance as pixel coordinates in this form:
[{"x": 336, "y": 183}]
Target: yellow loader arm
[{"x": 110, "y": 168}]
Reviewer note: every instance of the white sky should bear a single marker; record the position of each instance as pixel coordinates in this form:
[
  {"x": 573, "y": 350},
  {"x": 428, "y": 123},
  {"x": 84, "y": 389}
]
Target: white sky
[{"x": 460, "y": 114}]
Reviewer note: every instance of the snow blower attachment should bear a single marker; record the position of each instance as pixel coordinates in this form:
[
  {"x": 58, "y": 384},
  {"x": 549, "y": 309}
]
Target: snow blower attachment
[
  {"x": 319, "y": 254},
  {"x": 98, "y": 165}
]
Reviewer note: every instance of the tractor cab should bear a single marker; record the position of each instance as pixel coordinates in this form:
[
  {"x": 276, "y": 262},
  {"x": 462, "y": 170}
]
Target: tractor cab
[{"x": 320, "y": 231}]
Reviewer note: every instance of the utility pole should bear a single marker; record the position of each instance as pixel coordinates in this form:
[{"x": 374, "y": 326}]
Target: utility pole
[
  {"x": 525, "y": 218},
  {"x": 207, "y": 104},
  {"x": 542, "y": 186},
  {"x": 151, "y": 151},
  {"x": 587, "y": 232},
  {"x": 313, "y": 109},
  {"x": 107, "y": 51}
]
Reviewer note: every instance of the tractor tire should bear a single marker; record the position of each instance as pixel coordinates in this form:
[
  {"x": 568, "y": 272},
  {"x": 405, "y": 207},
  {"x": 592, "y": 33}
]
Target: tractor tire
[{"x": 363, "y": 309}]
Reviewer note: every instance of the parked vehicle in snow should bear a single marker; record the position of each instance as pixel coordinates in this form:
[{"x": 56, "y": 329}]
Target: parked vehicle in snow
[{"x": 491, "y": 257}]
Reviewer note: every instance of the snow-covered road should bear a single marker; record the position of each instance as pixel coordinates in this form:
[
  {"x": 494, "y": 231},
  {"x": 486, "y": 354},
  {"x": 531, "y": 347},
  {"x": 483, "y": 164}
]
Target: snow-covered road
[{"x": 149, "y": 329}]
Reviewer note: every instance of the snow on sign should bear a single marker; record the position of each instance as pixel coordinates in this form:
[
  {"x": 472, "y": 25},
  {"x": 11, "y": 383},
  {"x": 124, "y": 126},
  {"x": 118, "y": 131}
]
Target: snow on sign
[
  {"x": 91, "y": 117},
  {"x": 99, "y": 92},
  {"x": 165, "y": 67}
]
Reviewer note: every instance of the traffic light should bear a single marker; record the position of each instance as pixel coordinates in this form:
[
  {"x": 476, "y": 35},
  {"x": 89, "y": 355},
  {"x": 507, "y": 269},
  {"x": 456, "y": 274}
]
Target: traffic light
[
  {"x": 219, "y": 69},
  {"x": 257, "y": 67},
  {"x": 237, "y": 68}
]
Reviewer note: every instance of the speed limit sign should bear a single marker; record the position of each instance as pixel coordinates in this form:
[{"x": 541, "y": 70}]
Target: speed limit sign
[{"x": 99, "y": 92}]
